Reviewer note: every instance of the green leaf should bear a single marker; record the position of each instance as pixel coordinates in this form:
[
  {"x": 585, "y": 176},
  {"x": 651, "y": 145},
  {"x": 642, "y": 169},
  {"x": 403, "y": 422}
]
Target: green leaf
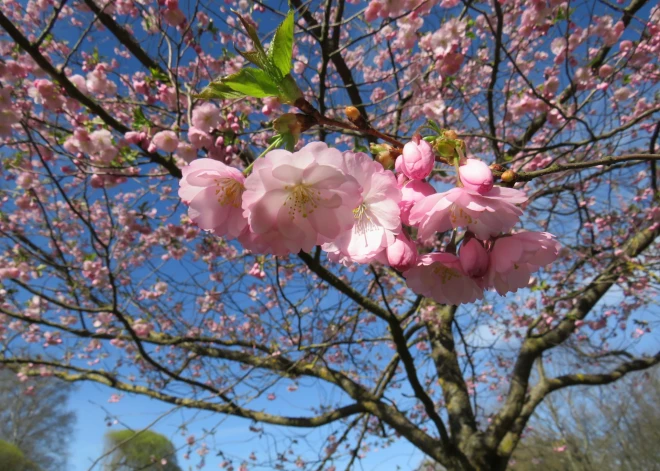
[
  {"x": 247, "y": 82},
  {"x": 159, "y": 75},
  {"x": 252, "y": 33},
  {"x": 255, "y": 57},
  {"x": 139, "y": 119},
  {"x": 280, "y": 50}
]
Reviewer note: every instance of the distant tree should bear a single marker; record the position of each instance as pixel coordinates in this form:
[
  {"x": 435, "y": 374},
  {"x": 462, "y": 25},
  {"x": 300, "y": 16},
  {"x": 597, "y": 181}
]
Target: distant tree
[
  {"x": 610, "y": 429},
  {"x": 129, "y": 450},
  {"x": 13, "y": 459},
  {"x": 34, "y": 418}
]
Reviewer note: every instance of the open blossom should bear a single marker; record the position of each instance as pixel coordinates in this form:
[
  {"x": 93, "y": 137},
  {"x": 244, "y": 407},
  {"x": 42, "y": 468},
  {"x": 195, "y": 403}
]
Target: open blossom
[
  {"x": 377, "y": 217},
  {"x": 301, "y": 199},
  {"x": 476, "y": 176},
  {"x": 514, "y": 258},
  {"x": 416, "y": 161},
  {"x": 484, "y": 215},
  {"x": 440, "y": 276},
  {"x": 206, "y": 117},
  {"x": 213, "y": 191},
  {"x": 166, "y": 141}
]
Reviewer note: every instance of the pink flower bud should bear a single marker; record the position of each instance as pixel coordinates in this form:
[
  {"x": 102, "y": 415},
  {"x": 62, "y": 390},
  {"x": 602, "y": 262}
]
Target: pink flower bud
[
  {"x": 605, "y": 71},
  {"x": 417, "y": 160},
  {"x": 402, "y": 254},
  {"x": 476, "y": 176},
  {"x": 474, "y": 258},
  {"x": 411, "y": 192}
]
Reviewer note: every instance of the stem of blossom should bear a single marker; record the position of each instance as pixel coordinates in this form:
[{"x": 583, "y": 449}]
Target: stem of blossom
[{"x": 276, "y": 143}]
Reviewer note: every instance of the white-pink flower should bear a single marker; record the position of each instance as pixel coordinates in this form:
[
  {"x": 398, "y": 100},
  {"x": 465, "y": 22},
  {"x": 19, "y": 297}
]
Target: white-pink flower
[
  {"x": 515, "y": 257},
  {"x": 440, "y": 276},
  {"x": 301, "y": 199},
  {"x": 484, "y": 215},
  {"x": 213, "y": 192},
  {"x": 206, "y": 117},
  {"x": 377, "y": 218},
  {"x": 166, "y": 141}
]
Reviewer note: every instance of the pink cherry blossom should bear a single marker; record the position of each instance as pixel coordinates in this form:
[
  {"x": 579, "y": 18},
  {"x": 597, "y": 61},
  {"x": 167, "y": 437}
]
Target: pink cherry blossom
[
  {"x": 206, "y": 117},
  {"x": 416, "y": 161},
  {"x": 412, "y": 191},
  {"x": 302, "y": 198},
  {"x": 377, "y": 218},
  {"x": 166, "y": 141},
  {"x": 515, "y": 257},
  {"x": 476, "y": 176},
  {"x": 213, "y": 190},
  {"x": 484, "y": 215},
  {"x": 199, "y": 138},
  {"x": 440, "y": 276}
]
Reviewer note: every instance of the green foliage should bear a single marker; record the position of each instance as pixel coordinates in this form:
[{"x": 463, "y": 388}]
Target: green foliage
[
  {"x": 271, "y": 77},
  {"x": 132, "y": 450},
  {"x": 280, "y": 51},
  {"x": 12, "y": 458}
]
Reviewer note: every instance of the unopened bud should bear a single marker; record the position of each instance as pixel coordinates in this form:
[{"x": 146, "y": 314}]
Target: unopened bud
[
  {"x": 497, "y": 168},
  {"x": 352, "y": 113},
  {"x": 294, "y": 124},
  {"x": 509, "y": 176},
  {"x": 384, "y": 155}
]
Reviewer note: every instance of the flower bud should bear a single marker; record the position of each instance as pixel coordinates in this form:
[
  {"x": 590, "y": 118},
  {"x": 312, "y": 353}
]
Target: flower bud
[
  {"x": 411, "y": 192},
  {"x": 509, "y": 176},
  {"x": 402, "y": 254},
  {"x": 417, "y": 160},
  {"x": 352, "y": 113},
  {"x": 476, "y": 176},
  {"x": 473, "y": 258}
]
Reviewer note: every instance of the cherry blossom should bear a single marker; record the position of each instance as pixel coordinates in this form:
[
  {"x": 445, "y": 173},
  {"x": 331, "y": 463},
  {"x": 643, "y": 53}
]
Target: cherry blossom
[
  {"x": 377, "y": 220},
  {"x": 304, "y": 198},
  {"x": 214, "y": 190}
]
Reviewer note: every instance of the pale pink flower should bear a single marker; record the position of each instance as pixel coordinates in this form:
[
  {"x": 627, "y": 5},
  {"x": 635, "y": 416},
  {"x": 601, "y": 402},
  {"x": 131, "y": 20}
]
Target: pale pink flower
[
  {"x": 476, "y": 176},
  {"x": 440, "y": 276},
  {"x": 186, "y": 152},
  {"x": 166, "y": 141},
  {"x": 301, "y": 199},
  {"x": 199, "y": 138},
  {"x": 411, "y": 192},
  {"x": 515, "y": 257},
  {"x": 377, "y": 218},
  {"x": 416, "y": 161},
  {"x": 213, "y": 190},
  {"x": 484, "y": 215},
  {"x": 206, "y": 117}
]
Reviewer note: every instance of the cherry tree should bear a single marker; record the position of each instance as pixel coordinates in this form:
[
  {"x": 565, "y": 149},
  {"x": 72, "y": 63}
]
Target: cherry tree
[{"x": 422, "y": 217}]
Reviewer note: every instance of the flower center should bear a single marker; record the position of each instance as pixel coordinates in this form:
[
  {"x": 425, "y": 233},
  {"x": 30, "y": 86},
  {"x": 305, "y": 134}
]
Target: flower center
[
  {"x": 302, "y": 199},
  {"x": 229, "y": 191},
  {"x": 445, "y": 273},
  {"x": 363, "y": 222},
  {"x": 458, "y": 216}
]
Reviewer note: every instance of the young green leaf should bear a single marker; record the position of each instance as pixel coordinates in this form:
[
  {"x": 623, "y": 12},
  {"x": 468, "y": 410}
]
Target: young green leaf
[
  {"x": 280, "y": 50},
  {"x": 247, "y": 82}
]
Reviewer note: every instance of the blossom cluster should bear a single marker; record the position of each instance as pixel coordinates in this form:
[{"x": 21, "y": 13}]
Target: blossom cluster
[{"x": 360, "y": 212}]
